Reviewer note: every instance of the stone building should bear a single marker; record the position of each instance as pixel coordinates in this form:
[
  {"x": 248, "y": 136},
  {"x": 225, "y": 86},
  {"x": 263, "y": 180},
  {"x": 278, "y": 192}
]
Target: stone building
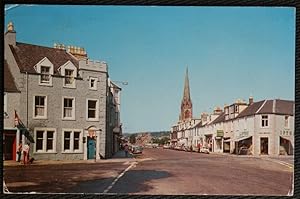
[
  {"x": 265, "y": 127},
  {"x": 63, "y": 99}
]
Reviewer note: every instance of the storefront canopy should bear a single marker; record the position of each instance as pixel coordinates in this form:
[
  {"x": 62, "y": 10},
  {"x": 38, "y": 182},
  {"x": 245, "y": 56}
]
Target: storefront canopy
[{"x": 242, "y": 138}]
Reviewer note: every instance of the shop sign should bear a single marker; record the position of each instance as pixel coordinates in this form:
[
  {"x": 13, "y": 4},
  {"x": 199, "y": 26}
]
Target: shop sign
[
  {"x": 264, "y": 133},
  {"x": 244, "y": 134},
  {"x": 220, "y": 133},
  {"x": 285, "y": 133}
]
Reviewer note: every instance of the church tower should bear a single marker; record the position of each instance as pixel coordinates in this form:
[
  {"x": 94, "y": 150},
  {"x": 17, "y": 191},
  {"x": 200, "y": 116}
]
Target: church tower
[{"x": 186, "y": 103}]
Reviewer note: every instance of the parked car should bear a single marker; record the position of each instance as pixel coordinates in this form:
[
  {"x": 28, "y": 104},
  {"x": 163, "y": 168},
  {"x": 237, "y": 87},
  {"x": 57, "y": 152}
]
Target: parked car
[
  {"x": 204, "y": 150},
  {"x": 243, "y": 151},
  {"x": 166, "y": 146},
  {"x": 187, "y": 149},
  {"x": 137, "y": 149},
  {"x": 177, "y": 148}
]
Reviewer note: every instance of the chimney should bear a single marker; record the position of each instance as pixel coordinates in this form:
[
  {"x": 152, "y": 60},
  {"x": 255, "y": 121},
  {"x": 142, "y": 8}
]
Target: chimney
[
  {"x": 10, "y": 35},
  {"x": 78, "y": 52},
  {"x": 250, "y": 100}
]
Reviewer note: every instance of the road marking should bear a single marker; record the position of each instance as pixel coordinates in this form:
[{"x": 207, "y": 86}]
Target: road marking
[
  {"x": 115, "y": 180},
  {"x": 282, "y": 163}
]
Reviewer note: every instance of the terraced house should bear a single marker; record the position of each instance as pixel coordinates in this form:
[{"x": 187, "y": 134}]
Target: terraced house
[
  {"x": 265, "y": 127},
  {"x": 59, "y": 102}
]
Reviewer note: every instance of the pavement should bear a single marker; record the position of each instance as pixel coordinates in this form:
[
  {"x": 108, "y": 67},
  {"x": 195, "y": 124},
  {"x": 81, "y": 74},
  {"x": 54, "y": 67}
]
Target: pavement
[{"x": 117, "y": 157}]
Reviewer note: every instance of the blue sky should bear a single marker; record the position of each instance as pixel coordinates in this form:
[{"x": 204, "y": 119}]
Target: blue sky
[{"x": 231, "y": 53}]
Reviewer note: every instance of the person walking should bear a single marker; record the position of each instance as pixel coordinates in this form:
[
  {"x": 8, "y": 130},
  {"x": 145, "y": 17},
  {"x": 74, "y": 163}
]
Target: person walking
[
  {"x": 26, "y": 153},
  {"x": 191, "y": 148},
  {"x": 126, "y": 150},
  {"x": 198, "y": 147},
  {"x": 19, "y": 152}
]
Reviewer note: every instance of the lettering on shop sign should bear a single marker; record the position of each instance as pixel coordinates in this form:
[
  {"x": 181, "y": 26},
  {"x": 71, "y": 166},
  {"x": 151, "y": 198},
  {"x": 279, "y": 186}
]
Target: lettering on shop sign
[
  {"x": 285, "y": 132},
  {"x": 244, "y": 134},
  {"x": 264, "y": 133}
]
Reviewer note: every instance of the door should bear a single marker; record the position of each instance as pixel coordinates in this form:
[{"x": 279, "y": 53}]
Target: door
[
  {"x": 10, "y": 146},
  {"x": 264, "y": 146},
  {"x": 91, "y": 147}
]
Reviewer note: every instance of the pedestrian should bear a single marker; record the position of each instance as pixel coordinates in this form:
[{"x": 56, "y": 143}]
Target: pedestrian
[
  {"x": 126, "y": 150},
  {"x": 191, "y": 148},
  {"x": 26, "y": 153},
  {"x": 19, "y": 152},
  {"x": 198, "y": 146}
]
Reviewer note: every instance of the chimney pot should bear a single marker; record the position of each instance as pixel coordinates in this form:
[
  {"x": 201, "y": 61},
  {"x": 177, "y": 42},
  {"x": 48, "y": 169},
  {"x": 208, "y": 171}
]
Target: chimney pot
[
  {"x": 10, "y": 27},
  {"x": 250, "y": 100}
]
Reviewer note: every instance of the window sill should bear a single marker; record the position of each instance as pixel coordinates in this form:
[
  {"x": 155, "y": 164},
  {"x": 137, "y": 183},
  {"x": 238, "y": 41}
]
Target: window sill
[
  {"x": 40, "y": 118},
  {"x": 71, "y": 152},
  {"x": 93, "y": 89},
  {"x": 68, "y": 119},
  {"x": 44, "y": 152},
  {"x": 92, "y": 120},
  {"x": 71, "y": 87},
  {"x": 49, "y": 85}
]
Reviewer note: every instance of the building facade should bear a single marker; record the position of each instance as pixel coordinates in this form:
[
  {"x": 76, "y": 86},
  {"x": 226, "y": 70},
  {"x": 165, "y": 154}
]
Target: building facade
[
  {"x": 62, "y": 102},
  {"x": 258, "y": 128}
]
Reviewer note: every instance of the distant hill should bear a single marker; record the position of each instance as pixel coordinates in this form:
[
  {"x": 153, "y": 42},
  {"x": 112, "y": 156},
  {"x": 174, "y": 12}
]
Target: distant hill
[
  {"x": 153, "y": 133},
  {"x": 160, "y": 133}
]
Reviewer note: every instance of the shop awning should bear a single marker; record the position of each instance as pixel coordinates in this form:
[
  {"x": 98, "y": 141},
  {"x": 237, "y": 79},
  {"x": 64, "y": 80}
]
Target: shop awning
[
  {"x": 242, "y": 138},
  {"x": 228, "y": 140}
]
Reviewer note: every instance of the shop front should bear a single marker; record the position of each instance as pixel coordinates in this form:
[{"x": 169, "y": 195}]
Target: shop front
[
  {"x": 209, "y": 142},
  {"x": 286, "y": 147},
  {"x": 243, "y": 146},
  {"x": 219, "y": 141},
  {"x": 11, "y": 140}
]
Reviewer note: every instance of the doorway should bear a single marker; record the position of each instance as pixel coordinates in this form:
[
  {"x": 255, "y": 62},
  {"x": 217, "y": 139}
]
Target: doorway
[
  {"x": 91, "y": 148},
  {"x": 286, "y": 147},
  {"x": 264, "y": 146},
  {"x": 9, "y": 145}
]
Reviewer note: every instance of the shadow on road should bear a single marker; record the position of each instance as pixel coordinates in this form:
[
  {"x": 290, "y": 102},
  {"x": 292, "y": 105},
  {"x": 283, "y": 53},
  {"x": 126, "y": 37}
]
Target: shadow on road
[{"x": 135, "y": 181}]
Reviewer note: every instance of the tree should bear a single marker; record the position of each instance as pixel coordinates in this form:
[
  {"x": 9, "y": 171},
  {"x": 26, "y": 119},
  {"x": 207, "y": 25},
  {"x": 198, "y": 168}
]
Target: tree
[{"x": 132, "y": 139}]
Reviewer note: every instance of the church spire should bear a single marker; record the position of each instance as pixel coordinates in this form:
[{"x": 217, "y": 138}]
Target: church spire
[
  {"x": 186, "y": 103},
  {"x": 186, "y": 92}
]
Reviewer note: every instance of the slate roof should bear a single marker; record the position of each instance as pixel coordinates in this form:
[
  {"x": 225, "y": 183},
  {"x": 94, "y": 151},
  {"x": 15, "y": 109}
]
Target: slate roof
[
  {"x": 9, "y": 83},
  {"x": 251, "y": 110},
  {"x": 219, "y": 119},
  {"x": 28, "y": 55},
  {"x": 281, "y": 107}
]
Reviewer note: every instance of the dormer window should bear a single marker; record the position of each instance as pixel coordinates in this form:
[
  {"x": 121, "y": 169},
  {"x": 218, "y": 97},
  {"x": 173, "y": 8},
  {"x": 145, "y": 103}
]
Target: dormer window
[
  {"x": 68, "y": 71},
  {"x": 69, "y": 77},
  {"x": 45, "y": 74},
  {"x": 45, "y": 69}
]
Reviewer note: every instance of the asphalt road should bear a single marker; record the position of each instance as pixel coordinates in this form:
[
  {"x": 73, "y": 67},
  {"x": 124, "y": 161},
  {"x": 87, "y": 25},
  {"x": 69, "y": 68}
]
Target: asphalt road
[{"x": 159, "y": 171}]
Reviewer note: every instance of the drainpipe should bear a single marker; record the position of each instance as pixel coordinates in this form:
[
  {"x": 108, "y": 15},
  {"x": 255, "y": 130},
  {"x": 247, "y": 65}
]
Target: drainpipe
[{"x": 26, "y": 99}]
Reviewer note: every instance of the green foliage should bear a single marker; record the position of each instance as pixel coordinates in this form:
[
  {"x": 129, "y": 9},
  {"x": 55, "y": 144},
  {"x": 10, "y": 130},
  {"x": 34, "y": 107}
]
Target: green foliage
[
  {"x": 132, "y": 138},
  {"x": 160, "y": 141}
]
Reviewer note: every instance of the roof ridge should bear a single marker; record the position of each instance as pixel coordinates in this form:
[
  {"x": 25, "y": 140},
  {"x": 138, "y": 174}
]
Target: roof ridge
[
  {"x": 41, "y": 46},
  {"x": 261, "y": 106}
]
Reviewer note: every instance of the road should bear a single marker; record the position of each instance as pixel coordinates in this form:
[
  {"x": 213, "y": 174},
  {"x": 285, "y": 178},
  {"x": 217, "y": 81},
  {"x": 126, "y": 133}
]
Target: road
[{"x": 161, "y": 171}]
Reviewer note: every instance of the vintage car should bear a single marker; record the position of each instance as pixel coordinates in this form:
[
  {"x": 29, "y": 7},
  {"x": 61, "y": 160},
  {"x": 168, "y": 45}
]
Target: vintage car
[
  {"x": 204, "y": 150},
  {"x": 137, "y": 149}
]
